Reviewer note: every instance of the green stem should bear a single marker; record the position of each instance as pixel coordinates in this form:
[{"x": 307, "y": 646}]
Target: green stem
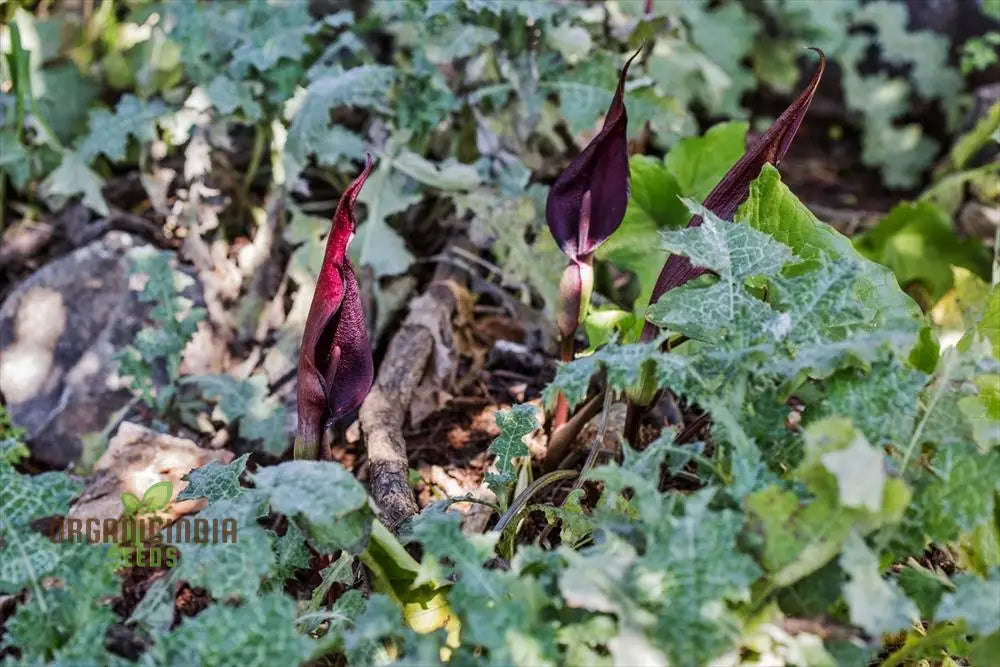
[
  {"x": 259, "y": 139},
  {"x": 522, "y": 499}
]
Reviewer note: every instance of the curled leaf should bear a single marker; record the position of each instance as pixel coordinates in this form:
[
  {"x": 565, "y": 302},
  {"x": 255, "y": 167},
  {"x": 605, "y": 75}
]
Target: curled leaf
[
  {"x": 335, "y": 361},
  {"x": 588, "y": 200},
  {"x": 734, "y": 188}
]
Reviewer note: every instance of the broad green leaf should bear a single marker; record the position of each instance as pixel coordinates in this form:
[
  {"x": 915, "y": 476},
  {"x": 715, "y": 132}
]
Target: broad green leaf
[
  {"x": 585, "y": 92},
  {"x": 155, "y": 611},
  {"x": 259, "y": 631},
  {"x": 215, "y": 481},
  {"x": 876, "y": 604},
  {"x": 735, "y": 252},
  {"x": 797, "y": 540},
  {"x": 699, "y": 163},
  {"x": 327, "y": 502},
  {"x": 653, "y": 205},
  {"x": 960, "y": 496},
  {"x": 918, "y": 243},
  {"x": 975, "y": 600},
  {"x": 25, "y": 498},
  {"x": 458, "y": 40},
  {"x": 773, "y": 209},
  {"x": 228, "y": 95},
  {"x": 228, "y": 569},
  {"x": 27, "y": 556},
  {"x": 690, "y": 567},
  {"x": 857, "y": 466},
  {"x": 67, "y": 624},
  {"x": 573, "y": 42}
]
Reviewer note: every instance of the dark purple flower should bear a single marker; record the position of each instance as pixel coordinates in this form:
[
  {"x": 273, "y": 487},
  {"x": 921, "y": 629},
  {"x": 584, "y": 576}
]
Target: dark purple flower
[
  {"x": 588, "y": 200},
  {"x": 335, "y": 361},
  {"x": 586, "y": 205}
]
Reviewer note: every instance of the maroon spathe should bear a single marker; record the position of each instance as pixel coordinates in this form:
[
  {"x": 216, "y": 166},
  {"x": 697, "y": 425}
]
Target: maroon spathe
[
  {"x": 588, "y": 200},
  {"x": 335, "y": 361}
]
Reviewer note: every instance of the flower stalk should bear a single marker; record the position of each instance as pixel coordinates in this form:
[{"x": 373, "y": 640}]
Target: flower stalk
[{"x": 585, "y": 206}]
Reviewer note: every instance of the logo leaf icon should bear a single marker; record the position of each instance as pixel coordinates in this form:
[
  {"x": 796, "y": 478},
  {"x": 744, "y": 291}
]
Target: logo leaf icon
[
  {"x": 157, "y": 496},
  {"x": 130, "y": 502}
]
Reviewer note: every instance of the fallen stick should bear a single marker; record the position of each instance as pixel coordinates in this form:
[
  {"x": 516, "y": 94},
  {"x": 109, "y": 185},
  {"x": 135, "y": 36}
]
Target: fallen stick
[{"x": 384, "y": 411}]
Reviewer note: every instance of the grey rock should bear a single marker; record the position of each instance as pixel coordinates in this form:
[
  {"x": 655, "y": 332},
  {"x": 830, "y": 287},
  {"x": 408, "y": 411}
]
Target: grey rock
[{"x": 59, "y": 332}]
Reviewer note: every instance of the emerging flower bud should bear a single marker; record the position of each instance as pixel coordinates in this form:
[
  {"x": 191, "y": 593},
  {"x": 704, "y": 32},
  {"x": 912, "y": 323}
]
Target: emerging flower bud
[
  {"x": 575, "y": 287},
  {"x": 335, "y": 361}
]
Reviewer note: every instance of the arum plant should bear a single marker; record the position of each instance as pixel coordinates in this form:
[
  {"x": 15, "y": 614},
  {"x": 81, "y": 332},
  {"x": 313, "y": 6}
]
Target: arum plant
[
  {"x": 734, "y": 187},
  {"x": 335, "y": 361},
  {"x": 724, "y": 200},
  {"x": 585, "y": 206}
]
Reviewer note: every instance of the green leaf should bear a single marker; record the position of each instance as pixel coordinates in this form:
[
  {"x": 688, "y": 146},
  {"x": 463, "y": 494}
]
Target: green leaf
[
  {"x": 876, "y": 604},
  {"x": 573, "y": 42},
  {"x": 514, "y": 425},
  {"x": 260, "y": 631},
  {"x": 857, "y": 466},
  {"x": 772, "y": 208},
  {"x": 155, "y": 611},
  {"x": 699, "y": 163},
  {"x": 109, "y": 132},
  {"x": 261, "y": 417},
  {"x": 918, "y": 243},
  {"x": 457, "y": 40},
  {"x": 961, "y": 494},
  {"x": 503, "y": 224},
  {"x": 229, "y": 569},
  {"x": 291, "y": 554},
  {"x": 975, "y": 600},
  {"x": 377, "y": 244},
  {"x": 338, "y": 572},
  {"x": 73, "y": 177},
  {"x": 700, "y": 567},
  {"x": 215, "y": 481},
  {"x": 25, "y": 498},
  {"x": 988, "y": 326},
  {"x": 174, "y": 322},
  {"x": 228, "y": 95},
  {"x": 802, "y": 536},
  {"x": 327, "y": 502},
  {"x": 880, "y": 401},
  {"x": 66, "y": 624},
  {"x": 364, "y": 87},
  {"x": 448, "y": 175},
  {"x": 735, "y": 252},
  {"x": 585, "y": 92},
  {"x": 654, "y": 204}
]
